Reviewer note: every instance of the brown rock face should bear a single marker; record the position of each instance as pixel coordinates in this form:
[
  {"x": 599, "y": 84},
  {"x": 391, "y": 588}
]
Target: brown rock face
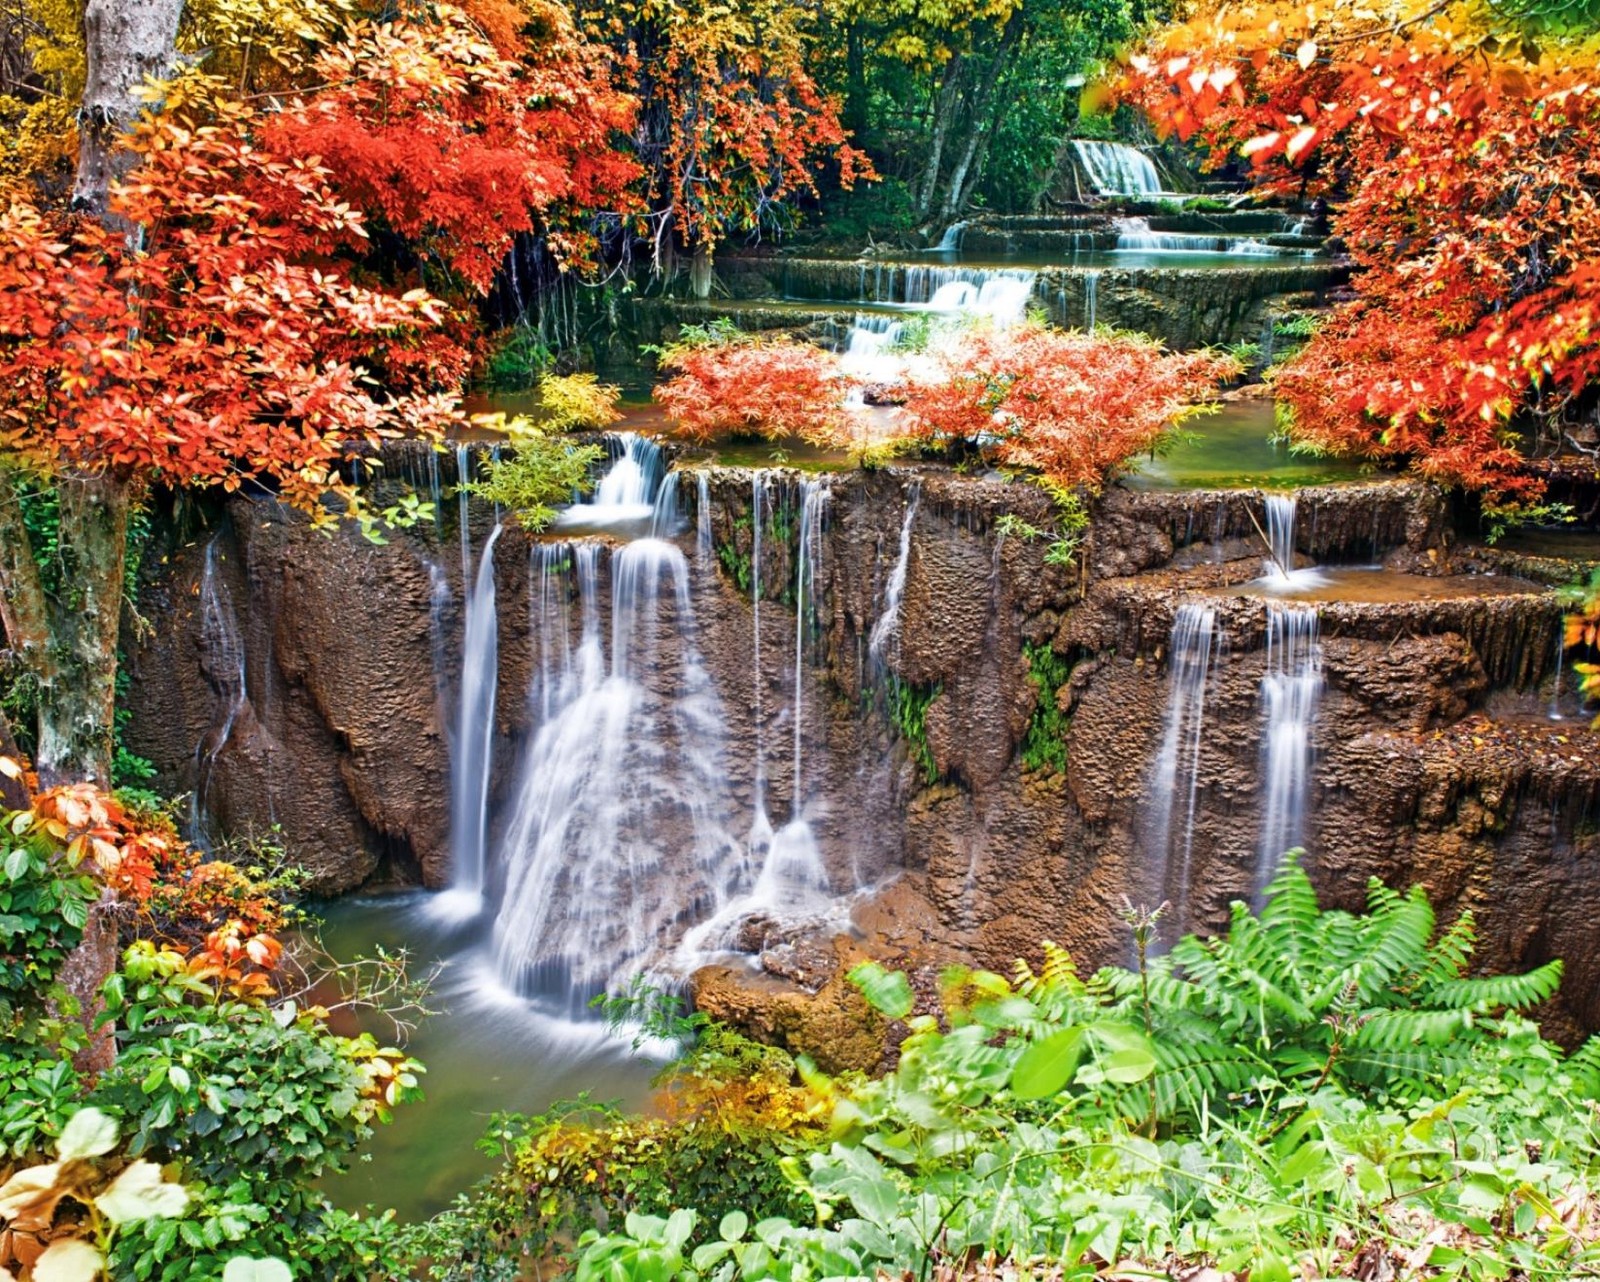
[{"x": 1431, "y": 760}]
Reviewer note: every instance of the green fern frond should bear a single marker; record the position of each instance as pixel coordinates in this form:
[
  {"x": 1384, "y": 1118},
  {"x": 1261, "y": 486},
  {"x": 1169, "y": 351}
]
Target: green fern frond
[
  {"x": 1498, "y": 992},
  {"x": 1451, "y": 954}
]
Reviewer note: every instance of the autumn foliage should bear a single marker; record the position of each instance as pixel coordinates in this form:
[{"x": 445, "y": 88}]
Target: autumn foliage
[
  {"x": 458, "y": 135},
  {"x": 1072, "y": 406},
  {"x": 1463, "y": 182},
  {"x": 750, "y": 385}
]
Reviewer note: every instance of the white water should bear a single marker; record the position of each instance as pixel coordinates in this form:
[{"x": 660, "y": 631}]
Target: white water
[
  {"x": 1291, "y": 688},
  {"x": 1117, "y": 169},
  {"x": 627, "y": 492},
  {"x": 621, "y": 788},
  {"x": 703, "y": 542},
  {"x": 472, "y": 758},
  {"x": 1134, "y": 236},
  {"x": 1091, "y": 299},
  {"x": 1555, "y": 687},
  {"x": 1196, "y": 645},
  {"x": 887, "y": 626},
  {"x": 950, "y": 242},
  {"x": 998, "y": 295}
]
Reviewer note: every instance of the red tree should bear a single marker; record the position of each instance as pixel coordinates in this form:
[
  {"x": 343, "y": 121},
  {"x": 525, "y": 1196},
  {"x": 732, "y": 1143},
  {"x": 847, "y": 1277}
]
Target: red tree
[
  {"x": 755, "y": 386},
  {"x": 1465, "y": 186}
]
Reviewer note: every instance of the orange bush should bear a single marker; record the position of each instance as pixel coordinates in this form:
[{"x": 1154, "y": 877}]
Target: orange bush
[
  {"x": 761, "y": 387},
  {"x": 1070, "y": 406}
]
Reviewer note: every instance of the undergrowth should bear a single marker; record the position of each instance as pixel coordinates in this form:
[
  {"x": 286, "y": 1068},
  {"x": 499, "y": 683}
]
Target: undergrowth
[{"x": 1044, "y": 745}]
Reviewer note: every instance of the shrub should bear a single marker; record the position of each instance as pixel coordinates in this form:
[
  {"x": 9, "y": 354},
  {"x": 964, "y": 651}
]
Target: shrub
[{"x": 729, "y": 382}]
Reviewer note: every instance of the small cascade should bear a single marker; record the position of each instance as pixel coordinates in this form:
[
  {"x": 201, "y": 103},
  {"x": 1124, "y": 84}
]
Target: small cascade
[
  {"x": 887, "y": 626},
  {"x": 1281, "y": 513},
  {"x": 464, "y": 475},
  {"x": 813, "y": 507},
  {"x": 761, "y": 829},
  {"x": 1000, "y": 295},
  {"x": 1195, "y": 649},
  {"x": 621, "y": 786},
  {"x": 704, "y": 544},
  {"x": 223, "y": 651},
  {"x": 868, "y": 349},
  {"x": 1117, "y": 169},
  {"x": 1091, "y": 299},
  {"x": 627, "y": 492},
  {"x": 950, "y": 242},
  {"x": 1135, "y": 236},
  {"x": 472, "y": 757},
  {"x": 665, "y": 517},
  {"x": 1291, "y": 688}
]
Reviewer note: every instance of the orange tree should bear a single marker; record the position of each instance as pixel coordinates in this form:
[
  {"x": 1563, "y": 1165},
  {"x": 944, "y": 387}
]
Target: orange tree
[
  {"x": 1463, "y": 171},
  {"x": 226, "y": 321},
  {"x": 725, "y": 381}
]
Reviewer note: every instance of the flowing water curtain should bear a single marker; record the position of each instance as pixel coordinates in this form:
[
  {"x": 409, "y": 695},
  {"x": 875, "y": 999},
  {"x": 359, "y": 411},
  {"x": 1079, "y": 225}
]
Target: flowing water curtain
[
  {"x": 1194, "y": 654},
  {"x": 1291, "y": 689}
]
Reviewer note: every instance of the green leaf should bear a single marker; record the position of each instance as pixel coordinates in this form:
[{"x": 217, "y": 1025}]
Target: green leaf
[
  {"x": 733, "y": 1227},
  {"x": 90, "y": 1133},
  {"x": 887, "y": 991},
  {"x": 18, "y": 863},
  {"x": 1128, "y": 1066},
  {"x": 1048, "y": 1065}
]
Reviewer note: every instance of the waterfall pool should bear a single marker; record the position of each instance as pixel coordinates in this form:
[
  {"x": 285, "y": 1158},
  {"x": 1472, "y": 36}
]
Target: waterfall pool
[
  {"x": 1374, "y": 585},
  {"x": 487, "y": 1051},
  {"x": 1234, "y": 449}
]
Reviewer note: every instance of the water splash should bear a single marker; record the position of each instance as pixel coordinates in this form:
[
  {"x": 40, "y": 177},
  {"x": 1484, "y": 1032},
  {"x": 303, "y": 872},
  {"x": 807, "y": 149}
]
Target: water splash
[
  {"x": 472, "y": 758},
  {"x": 626, "y": 494},
  {"x": 1195, "y": 648},
  {"x": 1291, "y": 688}
]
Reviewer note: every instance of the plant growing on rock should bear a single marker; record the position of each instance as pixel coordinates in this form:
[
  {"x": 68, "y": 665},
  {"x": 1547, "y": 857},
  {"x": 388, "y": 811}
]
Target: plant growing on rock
[
  {"x": 539, "y": 471},
  {"x": 1072, "y": 407}
]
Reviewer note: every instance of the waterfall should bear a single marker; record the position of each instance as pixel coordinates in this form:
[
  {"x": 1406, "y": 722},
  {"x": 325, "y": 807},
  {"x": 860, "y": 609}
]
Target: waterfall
[
  {"x": 1135, "y": 236},
  {"x": 628, "y": 491},
  {"x": 1195, "y": 647},
  {"x": 1091, "y": 299},
  {"x": 887, "y": 627},
  {"x": 950, "y": 242},
  {"x": 1117, "y": 169},
  {"x": 620, "y": 791},
  {"x": 760, "y": 829},
  {"x": 813, "y": 505},
  {"x": 472, "y": 757},
  {"x": 664, "y": 514},
  {"x": 222, "y": 648},
  {"x": 868, "y": 351},
  {"x": 704, "y": 544},
  {"x": 997, "y": 294},
  {"x": 1281, "y": 510},
  {"x": 1290, "y": 689},
  {"x": 463, "y": 475}
]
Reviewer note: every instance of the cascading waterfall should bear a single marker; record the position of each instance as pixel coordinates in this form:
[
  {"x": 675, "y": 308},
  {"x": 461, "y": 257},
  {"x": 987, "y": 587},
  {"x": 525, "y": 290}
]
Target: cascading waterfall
[
  {"x": 1291, "y": 688},
  {"x": 464, "y": 526},
  {"x": 472, "y": 757},
  {"x": 1193, "y": 652},
  {"x": 813, "y": 507},
  {"x": 1281, "y": 514},
  {"x": 627, "y": 492},
  {"x": 1554, "y": 713},
  {"x": 222, "y": 644},
  {"x": 704, "y": 544},
  {"x": 1117, "y": 169},
  {"x": 1091, "y": 299},
  {"x": 887, "y": 626},
  {"x": 998, "y": 294},
  {"x": 1135, "y": 236},
  {"x": 761, "y": 829},
  {"x": 621, "y": 788},
  {"x": 950, "y": 242},
  {"x": 664, "y": 513}
]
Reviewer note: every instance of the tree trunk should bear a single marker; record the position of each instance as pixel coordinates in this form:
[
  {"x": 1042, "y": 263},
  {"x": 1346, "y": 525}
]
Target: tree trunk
[
  {"x": 944, "y": 117},
  {"x": 856, "y": 106},
  {"x": 982, "y": 123},
  {"x": 77, "y": 702},
  {"x": 128, "y": 44}
]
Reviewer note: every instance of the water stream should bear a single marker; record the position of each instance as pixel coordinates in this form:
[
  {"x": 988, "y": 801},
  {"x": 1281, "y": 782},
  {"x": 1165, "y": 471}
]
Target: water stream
[{"x": 1291, "y": 688}]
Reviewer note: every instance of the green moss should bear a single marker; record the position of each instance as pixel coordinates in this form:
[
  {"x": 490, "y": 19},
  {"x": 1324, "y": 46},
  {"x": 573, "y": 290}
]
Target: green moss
[
  {"x": 908, "y": 710},
  {"x": 1044, "y": 747}
]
